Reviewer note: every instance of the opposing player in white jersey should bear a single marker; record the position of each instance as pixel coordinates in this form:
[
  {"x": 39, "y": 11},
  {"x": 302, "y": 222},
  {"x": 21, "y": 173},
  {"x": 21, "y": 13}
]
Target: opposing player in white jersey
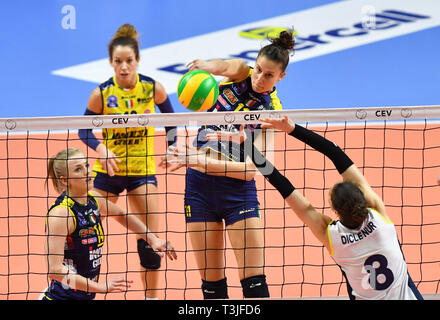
[{"x": 364, "y": 241}]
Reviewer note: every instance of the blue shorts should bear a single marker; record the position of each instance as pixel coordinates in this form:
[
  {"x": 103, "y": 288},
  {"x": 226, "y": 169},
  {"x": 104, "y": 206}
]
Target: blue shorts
[
  {"x": 117, "y": 184},
  {"x": 58, "y": 291},
  {"x": 213, "y": 199}
]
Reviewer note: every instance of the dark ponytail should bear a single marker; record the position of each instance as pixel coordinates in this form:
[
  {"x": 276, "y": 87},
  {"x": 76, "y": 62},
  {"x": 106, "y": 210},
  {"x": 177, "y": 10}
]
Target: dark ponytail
[
  {"x": 279, "y": 49},
  {"x": 349, "y": 201}
]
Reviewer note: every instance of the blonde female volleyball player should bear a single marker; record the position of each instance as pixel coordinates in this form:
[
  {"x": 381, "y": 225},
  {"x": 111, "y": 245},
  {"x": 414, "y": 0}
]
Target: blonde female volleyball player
[
  {"x": 74, "y": 232},
  {"x": 364, "y": 241},
  {"x": 126, "y": 156},
  {"x": 221, "y": 187}
]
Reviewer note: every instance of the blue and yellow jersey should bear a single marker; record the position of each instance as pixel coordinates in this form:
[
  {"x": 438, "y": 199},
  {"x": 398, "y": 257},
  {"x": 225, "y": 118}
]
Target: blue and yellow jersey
[
  {"x": 83, "y": 247},
  {"x": 133, "y": 146},
  {"x": 236, "y": 96}
]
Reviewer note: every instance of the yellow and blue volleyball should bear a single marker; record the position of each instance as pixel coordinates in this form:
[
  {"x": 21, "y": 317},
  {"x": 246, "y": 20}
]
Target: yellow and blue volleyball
[{"x": 197, "y": 90}]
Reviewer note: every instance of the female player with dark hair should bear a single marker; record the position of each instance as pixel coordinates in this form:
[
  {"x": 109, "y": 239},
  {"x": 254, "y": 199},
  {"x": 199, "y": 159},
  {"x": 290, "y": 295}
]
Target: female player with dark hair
[
  {"x": 220, "y": 184},
  {"x": 126, "y": 156},
  {"x": 74, "y": 232},
  {"x": 364, "y": 241}
]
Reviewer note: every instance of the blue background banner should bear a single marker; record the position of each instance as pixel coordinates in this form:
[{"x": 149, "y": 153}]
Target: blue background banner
[{"x": 39, "y": 37}]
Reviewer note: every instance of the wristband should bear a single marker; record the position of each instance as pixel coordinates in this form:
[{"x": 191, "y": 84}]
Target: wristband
[
  {"x": 166, "y": 107},
  {"x": 86, "y": 135}
]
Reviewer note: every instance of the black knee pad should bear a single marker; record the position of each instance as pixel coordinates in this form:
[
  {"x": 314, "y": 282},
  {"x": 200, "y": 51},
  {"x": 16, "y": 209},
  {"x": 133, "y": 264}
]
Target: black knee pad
[
  {"x": 215, "y": 289},
  {"x": 149, "y": 259},
  {"x": 255, "y": 287}
]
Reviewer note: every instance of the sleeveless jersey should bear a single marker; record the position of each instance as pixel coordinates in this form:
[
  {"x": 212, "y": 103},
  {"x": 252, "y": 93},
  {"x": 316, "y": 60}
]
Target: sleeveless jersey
[
  {"x": 133, "y": 146},
  {"x": 236, "y": 96},
  {"x": 371, "y": 259},
  {"x": 83, "y": 247}
]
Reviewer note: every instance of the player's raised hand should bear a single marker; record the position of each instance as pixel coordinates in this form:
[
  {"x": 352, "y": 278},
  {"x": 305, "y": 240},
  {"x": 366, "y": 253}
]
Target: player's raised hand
[
  {"x": 187, "y": 156},
  {"x": 170, "y": 154},
  {"x": 162, "y": 246},
  {"x": 119, "y": 284},
  {"x": 283, "y": 124},
  {"x": 232, "y": 136},
  {"x": 108, "y": 158},
  {"x": 198, "y": 64}
]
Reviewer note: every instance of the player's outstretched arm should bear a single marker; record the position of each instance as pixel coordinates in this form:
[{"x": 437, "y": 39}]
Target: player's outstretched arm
[
  {"x": 340, "y": 159},
  {"x": 231, "y": 70},
  {"x": 135, "y": 225},
  {"x": 108, "y": 159},
  {"x": 192, "y": 157},
  {"x": 316, "y": 221}
]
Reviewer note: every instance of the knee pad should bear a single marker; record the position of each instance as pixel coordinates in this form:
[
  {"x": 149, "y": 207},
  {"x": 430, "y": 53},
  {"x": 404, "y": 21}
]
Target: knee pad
[
  {"x": 255, "y": 287},
  {"x": 149, "y": 259},
  {"x": 215, "y": 289}
]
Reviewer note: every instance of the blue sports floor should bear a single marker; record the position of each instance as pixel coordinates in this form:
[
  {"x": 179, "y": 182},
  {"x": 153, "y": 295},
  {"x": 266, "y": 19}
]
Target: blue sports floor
[{"x": 40, "y": 37}]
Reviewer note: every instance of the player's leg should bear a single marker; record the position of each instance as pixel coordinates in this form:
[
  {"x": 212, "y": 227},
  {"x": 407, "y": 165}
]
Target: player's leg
[
  {"x": 247, "y": 240},
  {"x": 241, "y": 212},
  {"x": 107, "y": 186},
  {"x": 208, "y": 244},
  {"x": 206, "y": 231},
  {"x": 107, "y": 195},
  {"x": 144, "y": 202}
]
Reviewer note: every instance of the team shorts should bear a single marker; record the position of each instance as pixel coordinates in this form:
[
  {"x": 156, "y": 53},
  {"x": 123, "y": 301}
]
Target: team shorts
[
  {"x": 213, "y": 199},
  {"x": 117, "y": 184},
  {"x": 59, "y": 291}
]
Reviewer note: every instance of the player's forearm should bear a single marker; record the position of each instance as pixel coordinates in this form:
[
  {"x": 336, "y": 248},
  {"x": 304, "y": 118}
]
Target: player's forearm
[
  {"x": 226, "y": 68},
  {"x": 73, "y": 280},
  {"x": 87, "y": 136},
  {"x": 136, "y": 226},
  {"x": 268, "y": 170},
  {"x": 339, "y": 158},
  {"x": 231, "y": 169}
]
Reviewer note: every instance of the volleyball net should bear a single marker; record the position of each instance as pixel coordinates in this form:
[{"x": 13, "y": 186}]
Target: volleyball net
[{"x": 397, "y": 149}]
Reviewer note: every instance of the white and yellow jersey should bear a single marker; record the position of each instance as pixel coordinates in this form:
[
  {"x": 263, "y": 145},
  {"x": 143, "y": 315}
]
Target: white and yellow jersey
[
  {"x": 371, "y": 259},
  {"x": 133, "y": 146}
]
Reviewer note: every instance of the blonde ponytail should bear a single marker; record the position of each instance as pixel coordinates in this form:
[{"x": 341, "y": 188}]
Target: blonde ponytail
[{"x": 57, "y": 167}]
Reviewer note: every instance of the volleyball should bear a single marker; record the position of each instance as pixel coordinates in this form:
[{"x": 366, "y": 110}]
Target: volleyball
[{"x": 197, "y": 90}]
